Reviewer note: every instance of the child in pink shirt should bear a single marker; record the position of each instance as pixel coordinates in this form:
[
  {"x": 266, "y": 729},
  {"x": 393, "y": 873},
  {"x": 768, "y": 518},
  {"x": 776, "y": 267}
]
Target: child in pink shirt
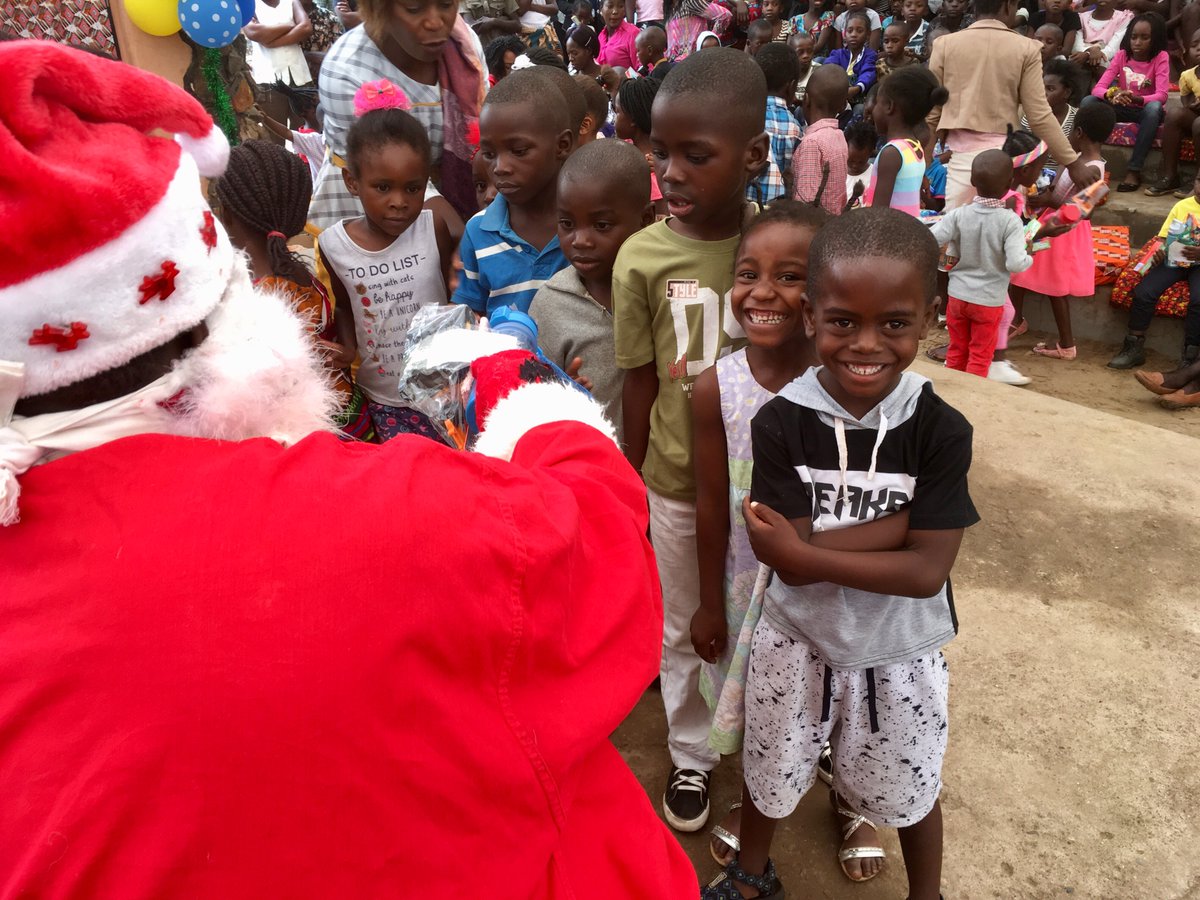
[
  {"x": 1135, "y": 84},
  {"x": 618, "y": 38}
]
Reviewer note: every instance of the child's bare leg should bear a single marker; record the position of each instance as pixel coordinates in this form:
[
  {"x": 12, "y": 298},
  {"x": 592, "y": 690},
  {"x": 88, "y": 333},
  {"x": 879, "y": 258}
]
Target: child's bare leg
[
  {"x": 1017, "y": 296},
  {"x": 922, "y": 847},
  {"x": 1061, "y": 308},
  {"x": 758, "y": 831}
]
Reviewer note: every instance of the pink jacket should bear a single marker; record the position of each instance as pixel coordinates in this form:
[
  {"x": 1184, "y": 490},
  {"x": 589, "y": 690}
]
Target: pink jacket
[
  {"x": 1148, "y": 80},
  {"x": 619, "y": 49}
]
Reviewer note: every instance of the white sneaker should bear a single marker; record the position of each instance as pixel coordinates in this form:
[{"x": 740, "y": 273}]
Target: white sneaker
[{"x": 1003, "y": 371}]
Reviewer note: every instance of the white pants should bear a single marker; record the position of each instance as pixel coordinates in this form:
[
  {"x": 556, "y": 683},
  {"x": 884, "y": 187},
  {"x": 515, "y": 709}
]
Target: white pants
[
  {"x": 673, "y": 534},
  {"x": 959, "y": 190}
]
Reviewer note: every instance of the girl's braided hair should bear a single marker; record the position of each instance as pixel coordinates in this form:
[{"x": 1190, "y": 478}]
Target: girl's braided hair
[
  {"x": 268, "y": 189},
  {"x": 1018, "y": 143},
  {"x": 637, "y": 97}
]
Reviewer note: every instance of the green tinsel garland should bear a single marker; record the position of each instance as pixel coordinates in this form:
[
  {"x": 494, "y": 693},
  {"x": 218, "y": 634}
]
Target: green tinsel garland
[{"x": 225, "y": 116}]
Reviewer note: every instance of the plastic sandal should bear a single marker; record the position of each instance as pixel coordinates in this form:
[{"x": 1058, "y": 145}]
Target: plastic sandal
[
  {"x": 723, "y": 887},
  {"x": 1018, "y": 330},
  {"x": 726, "y": 837},
  {"x": 844, "y": 856},
  {"x": 1055, "y": 352}
]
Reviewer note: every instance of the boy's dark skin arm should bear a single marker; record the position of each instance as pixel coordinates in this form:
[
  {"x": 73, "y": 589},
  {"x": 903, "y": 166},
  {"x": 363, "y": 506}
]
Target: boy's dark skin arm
[
  {"x": 637, "y": 399},
  {"x": 711, "y": 466},
  {"x": 918, "y": 570}
]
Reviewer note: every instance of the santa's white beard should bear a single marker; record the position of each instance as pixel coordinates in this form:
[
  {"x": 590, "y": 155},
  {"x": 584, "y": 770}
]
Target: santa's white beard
[{"x": 257, "y": 374}]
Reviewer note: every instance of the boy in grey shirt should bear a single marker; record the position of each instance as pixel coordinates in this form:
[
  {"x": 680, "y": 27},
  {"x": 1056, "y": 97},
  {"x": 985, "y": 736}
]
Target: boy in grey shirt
[
  {"x": 991, "y": 246},
  {"x": 603, "y": 198}
]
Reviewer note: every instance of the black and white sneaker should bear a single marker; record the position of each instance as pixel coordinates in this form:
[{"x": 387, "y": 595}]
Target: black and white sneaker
[{"x": 685, "y": 804}]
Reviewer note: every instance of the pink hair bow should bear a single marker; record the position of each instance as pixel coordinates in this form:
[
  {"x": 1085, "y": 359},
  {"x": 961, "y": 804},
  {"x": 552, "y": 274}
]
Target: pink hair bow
[{"x": 380, "y": 94}]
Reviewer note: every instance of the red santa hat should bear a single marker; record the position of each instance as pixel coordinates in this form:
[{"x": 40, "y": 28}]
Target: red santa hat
[{"x": 110, "y": 247}]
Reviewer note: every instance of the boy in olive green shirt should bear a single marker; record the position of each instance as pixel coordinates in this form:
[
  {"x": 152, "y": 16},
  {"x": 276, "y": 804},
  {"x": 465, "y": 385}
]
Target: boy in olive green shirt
[{"x": 671, "y": 287}]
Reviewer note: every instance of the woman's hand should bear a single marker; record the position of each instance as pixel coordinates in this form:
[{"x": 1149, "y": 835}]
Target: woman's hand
[
  {"x": 1191, "y": 254},
  {"x": 1160, "y": 257},
  {"x": 742, "y": 11}
]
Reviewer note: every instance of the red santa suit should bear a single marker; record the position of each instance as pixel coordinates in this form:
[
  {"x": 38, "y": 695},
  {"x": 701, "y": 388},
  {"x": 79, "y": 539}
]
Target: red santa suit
[
  {"x": 330, "y": 670},
  {"x": 223, "y": 676}
]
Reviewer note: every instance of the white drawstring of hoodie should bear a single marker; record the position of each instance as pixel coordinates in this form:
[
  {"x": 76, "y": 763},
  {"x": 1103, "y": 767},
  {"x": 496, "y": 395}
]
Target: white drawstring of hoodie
[{"x": 839, "y": 433}]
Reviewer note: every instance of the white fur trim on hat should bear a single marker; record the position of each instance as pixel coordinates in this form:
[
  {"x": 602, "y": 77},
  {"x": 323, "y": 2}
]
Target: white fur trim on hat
[
  {"x": 537, "y": 404},
  {"x": 210, "y": 152},
  {"x": 102, "y": 290}
]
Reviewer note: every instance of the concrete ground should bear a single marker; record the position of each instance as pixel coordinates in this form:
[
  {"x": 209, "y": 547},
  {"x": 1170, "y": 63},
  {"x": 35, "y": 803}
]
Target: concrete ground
[{"x": 1075, "y": 678}]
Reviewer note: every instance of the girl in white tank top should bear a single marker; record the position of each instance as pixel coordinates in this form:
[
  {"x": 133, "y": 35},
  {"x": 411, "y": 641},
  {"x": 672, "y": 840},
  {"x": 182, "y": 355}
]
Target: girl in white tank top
[{"x": 389, "y": 262}]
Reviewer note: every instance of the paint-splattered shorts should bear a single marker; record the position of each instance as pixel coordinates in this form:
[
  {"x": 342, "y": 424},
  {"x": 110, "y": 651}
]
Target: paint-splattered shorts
[{"x": 888, "y": 726}]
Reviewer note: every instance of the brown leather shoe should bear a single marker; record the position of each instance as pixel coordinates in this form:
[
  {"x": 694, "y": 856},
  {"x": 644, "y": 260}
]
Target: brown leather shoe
[
  {"x": 1180, "y": 400},
  {"x": 1152, "y": 381}
]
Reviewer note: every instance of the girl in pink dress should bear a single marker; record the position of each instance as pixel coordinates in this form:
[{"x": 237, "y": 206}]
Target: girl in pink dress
[{"x": 1068, "y": 269}]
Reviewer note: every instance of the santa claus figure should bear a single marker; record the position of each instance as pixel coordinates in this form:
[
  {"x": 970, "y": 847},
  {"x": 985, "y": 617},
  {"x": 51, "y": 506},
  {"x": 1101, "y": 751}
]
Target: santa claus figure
[{"x": 238, "y": 656}]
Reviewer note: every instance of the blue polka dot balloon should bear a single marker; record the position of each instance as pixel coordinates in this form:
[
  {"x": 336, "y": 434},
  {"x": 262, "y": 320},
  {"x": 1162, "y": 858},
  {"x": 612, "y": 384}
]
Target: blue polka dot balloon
[
  {"x": 210, "y": 23},
  {"x": 247, "y": 8}
]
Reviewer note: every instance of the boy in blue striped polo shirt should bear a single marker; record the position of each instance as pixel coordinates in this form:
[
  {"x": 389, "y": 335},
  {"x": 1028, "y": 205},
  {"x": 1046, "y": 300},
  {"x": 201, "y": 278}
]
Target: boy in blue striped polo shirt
[{"x": 510, "y": 248}]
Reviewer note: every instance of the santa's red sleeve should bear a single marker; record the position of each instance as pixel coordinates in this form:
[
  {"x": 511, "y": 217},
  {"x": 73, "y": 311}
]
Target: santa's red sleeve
[
  {"x": 330, "y": 670},
  {"x": 592, "y": 644}
]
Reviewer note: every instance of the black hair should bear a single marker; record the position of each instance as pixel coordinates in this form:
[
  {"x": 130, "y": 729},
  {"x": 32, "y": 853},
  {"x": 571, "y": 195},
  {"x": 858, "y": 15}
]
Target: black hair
[
  {"x": 268, "y": 189},
  {"x": 1158, "y": 33},
  {"x": 992, "y": 173},
  {"x": 858, "y": 14},
  {"x": 989, "y": 7},
  {"x": 570, "y": 91},
  {"x": 300, "y": 99},
  {"x": 915, "y": 91},
  {"x": 878, "y": 231},
  {"x": 544, "y": 56},
  {"x": 1069, "y": 74},
  {"x": 760, "y": 25},
  {"x": 615, "y": 165},
  {"x": 828, "y": 87},
  {"x": 636, "y": 96},
  {"x": 786, "y": 212},
  {"x": 381, "y": 127},
  {"x": 528, "y": 87},
  {"x": 583, "y": 4},
  {"x": 899, "y": 23},
  {"x": 779, "y": 64},
  {"x": 1018, "y": 143},
  {"x": 495, "y": 50},
  {"x": 1096, "y": 121},
  {"x": 585, "y": 38},
  {"x": 1061, "y": 34},
  {"x": 653, "y": 31},
  {"x": 594, "y": 98},
  {"x": 861, "y": 133},
  {"x": 721, "y": 78}
]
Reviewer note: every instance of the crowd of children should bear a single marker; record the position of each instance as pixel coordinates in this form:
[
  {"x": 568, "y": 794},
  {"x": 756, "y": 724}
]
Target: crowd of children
[{"x": 710, "y": 273}]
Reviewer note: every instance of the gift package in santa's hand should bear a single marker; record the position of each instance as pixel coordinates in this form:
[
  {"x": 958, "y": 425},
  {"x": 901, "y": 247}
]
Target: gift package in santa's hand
[{"x": 441, "y": 343}]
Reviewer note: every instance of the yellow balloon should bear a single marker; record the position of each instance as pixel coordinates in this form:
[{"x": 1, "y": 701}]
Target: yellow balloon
[{"x": 159, "y": 17}]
